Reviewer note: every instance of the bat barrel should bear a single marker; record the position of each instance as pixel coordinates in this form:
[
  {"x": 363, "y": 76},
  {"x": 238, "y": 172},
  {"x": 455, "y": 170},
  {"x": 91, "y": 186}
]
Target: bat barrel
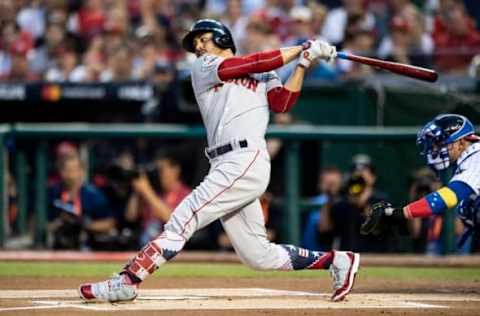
[{"x": 398, "y": 68}]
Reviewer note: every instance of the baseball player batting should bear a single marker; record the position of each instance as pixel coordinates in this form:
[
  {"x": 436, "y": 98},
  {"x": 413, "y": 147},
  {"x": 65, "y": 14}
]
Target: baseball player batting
[
  {"x": 449, "y": 139},
  {"x": 234, "y": 95}
]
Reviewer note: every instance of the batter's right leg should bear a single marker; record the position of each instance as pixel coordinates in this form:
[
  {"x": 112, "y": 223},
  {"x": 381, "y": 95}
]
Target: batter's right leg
[
  {"x": 247, "y": 233},
  {"x": 224, "y": 190}
]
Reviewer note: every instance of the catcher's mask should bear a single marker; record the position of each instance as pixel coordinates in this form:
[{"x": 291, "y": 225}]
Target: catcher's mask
[
  {"x": 436, "y": 135},
  {"x": 221, "y": 35}
]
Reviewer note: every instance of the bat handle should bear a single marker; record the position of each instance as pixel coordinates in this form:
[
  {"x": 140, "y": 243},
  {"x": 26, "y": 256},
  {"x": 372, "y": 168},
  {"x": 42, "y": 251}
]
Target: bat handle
[{"x": 343, "y": 55}]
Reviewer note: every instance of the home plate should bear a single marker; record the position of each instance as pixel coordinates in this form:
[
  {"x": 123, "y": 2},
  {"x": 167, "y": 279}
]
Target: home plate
[{"x": 224, "y": 299}]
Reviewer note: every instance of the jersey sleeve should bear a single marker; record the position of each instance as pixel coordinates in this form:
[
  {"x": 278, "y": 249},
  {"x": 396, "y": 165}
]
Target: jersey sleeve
[
  {"x": 256, "y": 63},
  {"x": 468, "y": 172},
  {"x": 439, "y": 201},
  {"x": 205, "y": 73}
]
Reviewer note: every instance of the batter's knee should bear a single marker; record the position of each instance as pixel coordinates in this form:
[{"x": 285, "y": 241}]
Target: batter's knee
[{"x": 170, "y": 243}]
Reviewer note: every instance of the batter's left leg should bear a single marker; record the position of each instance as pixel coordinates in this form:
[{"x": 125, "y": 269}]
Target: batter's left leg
[{"x": 246, "y": 230}]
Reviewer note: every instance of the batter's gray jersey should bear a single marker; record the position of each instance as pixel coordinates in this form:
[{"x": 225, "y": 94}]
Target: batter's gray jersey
[
  {"x": 232, "y": 111},
  {"x": 468, "y": 168},
  {"x": 235, "y": 109}
]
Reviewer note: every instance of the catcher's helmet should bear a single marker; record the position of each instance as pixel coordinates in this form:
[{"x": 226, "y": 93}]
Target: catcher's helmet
[
  {"x": 221, "y": 35},
  {"x": 444, "y": 129}
]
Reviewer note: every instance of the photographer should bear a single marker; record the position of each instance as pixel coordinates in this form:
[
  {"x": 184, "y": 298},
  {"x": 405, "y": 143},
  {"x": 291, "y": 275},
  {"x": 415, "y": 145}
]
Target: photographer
[
  {"x": 155, "y": 195},
  {"x": 79, "y": 214},
  {"x": 424, "y": 181},
  {"x": 347, "y": 214},
  {"x": 116, "y": 182}
]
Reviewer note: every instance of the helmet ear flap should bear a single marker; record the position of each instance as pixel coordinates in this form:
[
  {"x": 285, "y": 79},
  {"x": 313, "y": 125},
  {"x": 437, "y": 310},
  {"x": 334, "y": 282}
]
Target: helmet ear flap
[{"x": 222, "y": 40}]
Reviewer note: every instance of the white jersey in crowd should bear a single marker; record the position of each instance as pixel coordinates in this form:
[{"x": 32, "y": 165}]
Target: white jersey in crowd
[
  {"x": 468, "y": 168},
  {"x": 236, "y": 109}
]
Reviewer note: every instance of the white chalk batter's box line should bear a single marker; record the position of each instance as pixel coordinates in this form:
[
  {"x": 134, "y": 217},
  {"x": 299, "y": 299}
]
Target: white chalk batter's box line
[
  {"x": 223, "y": 299},
  {"x": 204, "y": 293}
]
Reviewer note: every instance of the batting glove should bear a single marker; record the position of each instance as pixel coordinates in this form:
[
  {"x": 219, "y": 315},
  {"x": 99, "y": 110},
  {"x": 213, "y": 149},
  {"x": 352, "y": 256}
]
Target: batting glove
[{"x": 316, "y": 49}]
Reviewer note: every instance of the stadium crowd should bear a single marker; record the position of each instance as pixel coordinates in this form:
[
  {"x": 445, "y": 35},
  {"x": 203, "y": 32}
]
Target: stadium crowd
[{"x": 106, "y": 40}]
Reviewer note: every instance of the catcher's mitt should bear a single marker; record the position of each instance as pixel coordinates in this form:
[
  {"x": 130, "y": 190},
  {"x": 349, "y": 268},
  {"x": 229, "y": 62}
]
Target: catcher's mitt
[
  {"x": 376, "y": 222},
  {"x": 382, "y": 218}
]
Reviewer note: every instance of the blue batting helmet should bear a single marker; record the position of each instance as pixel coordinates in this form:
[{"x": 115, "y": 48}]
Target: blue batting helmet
[
  {"x": 221, "y": 35},
  {"x": 434, "y": 137}
]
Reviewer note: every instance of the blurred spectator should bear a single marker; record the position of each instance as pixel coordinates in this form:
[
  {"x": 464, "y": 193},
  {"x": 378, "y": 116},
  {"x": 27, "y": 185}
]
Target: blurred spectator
[
  {"x": 384, "y": 11},
  {"x": 119, "y": 65},
  {"x": 235, "y": 21},
  {"x": 360, "y": 42},
  {"x": 51, "y": 50},
  {"x": 319, "y": 15},
  {"x": 424, "y": 181},
  {"x": 259, "y": 37},
  {"x": 61, "y": 72},
  {"x": 145, "y": 60},
  {"x": 8, "y": 10},
  {"x": 456, "y": 40},
  {"x": 407, "y": 43},
  {"x": 79, "y": 214},
  {"x": 329, "y": 184},
  {"x": 347, "y": 214},
  {"x": 301, "y": 27},
  {"x": 275, "y": 16},
  {"x": 155, "y": 197},
  {"x": 19, "y": 70},
  {"x": 116, "y": 183},
  {"x": 92, "y": 65},
  {"x": 116, "y": 20},
  {"x": 31, "y": 18},
  {"x": 301, "y": 30},
  {"x": 56, "y": 12},
  {"x": 336, "y": 22},
  {"x": 89, "y": 21},
  {"x": 60, "y": 151},
  {"x": 15, "y": 46}
]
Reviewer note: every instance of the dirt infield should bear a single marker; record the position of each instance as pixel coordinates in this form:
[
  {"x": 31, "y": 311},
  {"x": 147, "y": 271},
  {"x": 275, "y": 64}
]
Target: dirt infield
[{"x": 245, "y": 296}]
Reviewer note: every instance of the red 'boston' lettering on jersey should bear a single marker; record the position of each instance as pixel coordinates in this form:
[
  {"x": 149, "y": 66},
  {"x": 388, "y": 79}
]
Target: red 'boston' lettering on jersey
[{"x": 246, "y": 82}]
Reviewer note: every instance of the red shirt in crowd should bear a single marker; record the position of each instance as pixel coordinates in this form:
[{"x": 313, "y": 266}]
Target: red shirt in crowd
[
  {"x": 172, "y": 199},
  {"x": 454, "y": 51}
]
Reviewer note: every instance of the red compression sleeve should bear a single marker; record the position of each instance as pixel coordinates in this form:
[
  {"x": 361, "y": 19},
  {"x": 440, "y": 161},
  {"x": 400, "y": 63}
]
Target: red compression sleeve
[
  {"x": 419, "y": 208},
  {"x": 281, "y": 100},
  {"x": 236, "y": 67}
]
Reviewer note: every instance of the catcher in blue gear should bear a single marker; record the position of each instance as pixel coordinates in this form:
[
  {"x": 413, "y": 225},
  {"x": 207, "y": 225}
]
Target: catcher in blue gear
[{"x": 448, "y": 140}]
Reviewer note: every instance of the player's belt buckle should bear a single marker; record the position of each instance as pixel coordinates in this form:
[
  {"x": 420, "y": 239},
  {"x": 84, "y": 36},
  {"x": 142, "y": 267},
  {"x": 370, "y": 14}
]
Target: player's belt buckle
[{"x": 221, "y": 150}]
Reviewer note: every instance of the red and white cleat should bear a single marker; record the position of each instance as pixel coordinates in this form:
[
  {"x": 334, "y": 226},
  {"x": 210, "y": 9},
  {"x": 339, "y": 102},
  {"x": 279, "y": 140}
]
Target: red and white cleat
[
  {"x": 344, "y": 267},
  {"x": 116, "y": 289}
]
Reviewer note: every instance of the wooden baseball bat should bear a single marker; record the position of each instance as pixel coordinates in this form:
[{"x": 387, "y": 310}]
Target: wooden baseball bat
[{"x": 398, "y": 68}]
